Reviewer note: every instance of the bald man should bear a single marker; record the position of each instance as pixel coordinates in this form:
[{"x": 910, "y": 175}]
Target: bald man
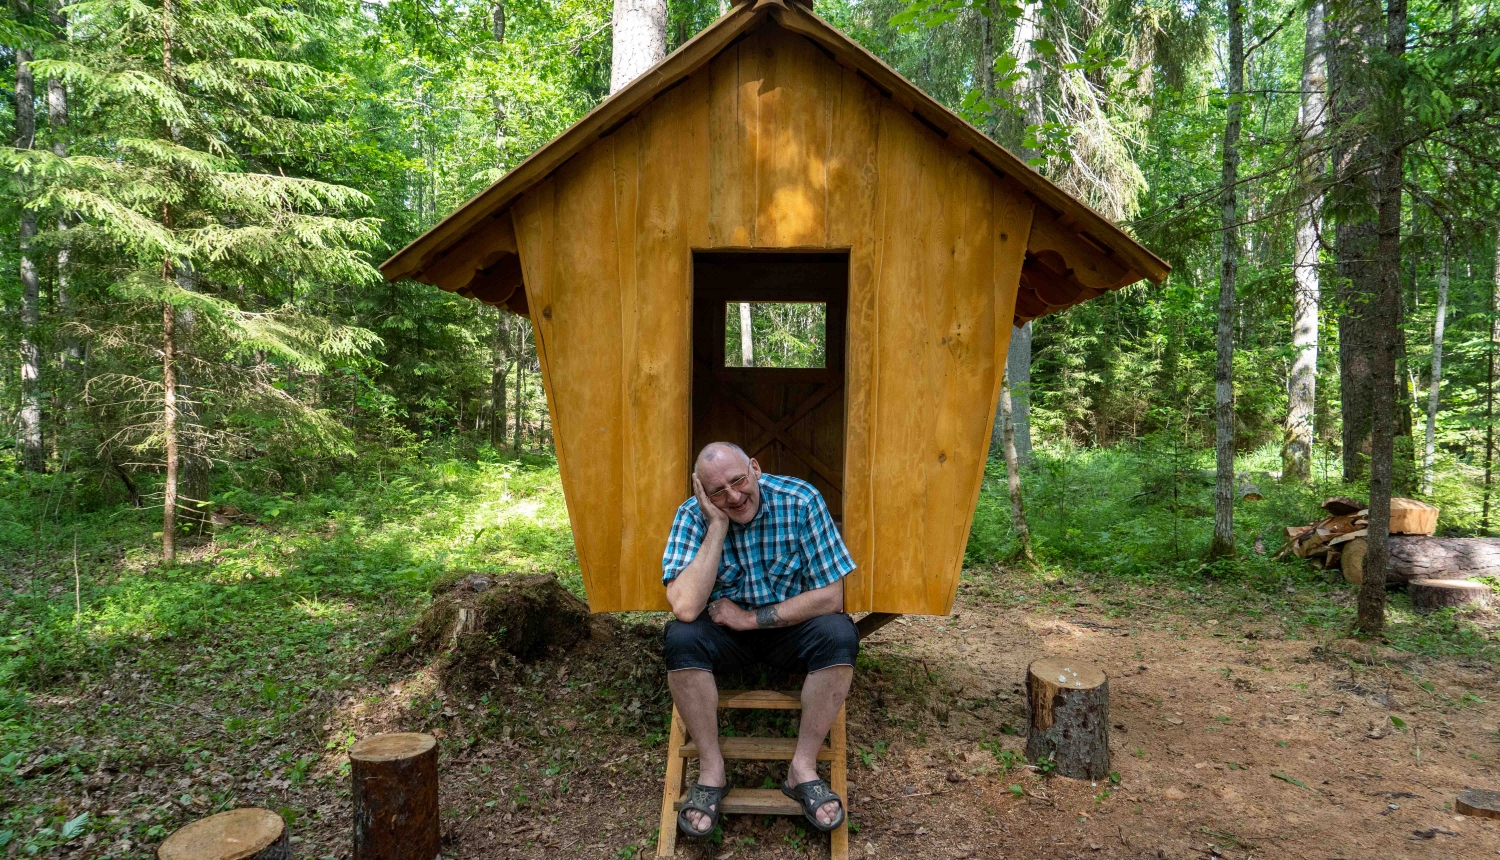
[{"x": 754, "y": 571}]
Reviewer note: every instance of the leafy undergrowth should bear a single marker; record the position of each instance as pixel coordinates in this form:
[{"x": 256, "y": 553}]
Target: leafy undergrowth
[
  {"x": 157, "y": 696},
  {"x": 247, "y": 644}
]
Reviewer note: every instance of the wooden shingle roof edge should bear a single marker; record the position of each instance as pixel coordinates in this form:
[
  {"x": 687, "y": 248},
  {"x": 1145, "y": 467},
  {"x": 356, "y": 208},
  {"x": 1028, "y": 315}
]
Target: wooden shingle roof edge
[{"x": 430, "y": 248}]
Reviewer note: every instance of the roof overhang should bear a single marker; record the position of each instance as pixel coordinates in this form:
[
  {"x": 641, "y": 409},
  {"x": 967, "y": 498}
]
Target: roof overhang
[{"x": 1065, "y": 226}]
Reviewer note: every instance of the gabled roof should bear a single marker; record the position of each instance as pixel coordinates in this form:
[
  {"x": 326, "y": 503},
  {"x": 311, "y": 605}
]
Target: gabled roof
[{"x": 418, "y": 259}]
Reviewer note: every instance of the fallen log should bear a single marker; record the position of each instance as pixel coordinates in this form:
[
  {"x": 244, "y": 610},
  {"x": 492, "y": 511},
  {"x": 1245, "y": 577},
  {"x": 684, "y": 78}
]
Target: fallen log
[{"x": 1423, "y": 557}]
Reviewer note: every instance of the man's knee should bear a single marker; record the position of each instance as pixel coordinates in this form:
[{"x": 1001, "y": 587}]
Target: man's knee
[
  {"x": 835, "y": 628},
  {"x": 689, "y": 644},
  {"x": 833, "y": 640}
]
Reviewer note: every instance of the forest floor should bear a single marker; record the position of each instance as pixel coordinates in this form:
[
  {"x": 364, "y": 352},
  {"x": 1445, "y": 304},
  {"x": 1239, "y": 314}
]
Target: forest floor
[
  {"x": 1230, "y": 738},
  {"x": 1243, "y": 725}
]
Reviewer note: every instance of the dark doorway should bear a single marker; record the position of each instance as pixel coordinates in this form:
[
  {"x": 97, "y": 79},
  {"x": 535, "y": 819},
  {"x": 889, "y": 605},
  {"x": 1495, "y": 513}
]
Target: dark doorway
[{"x": 785, "y": 406}]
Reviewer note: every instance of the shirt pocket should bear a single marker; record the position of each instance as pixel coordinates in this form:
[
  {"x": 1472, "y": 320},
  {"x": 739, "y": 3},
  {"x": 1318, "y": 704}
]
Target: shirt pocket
[{"x": 785, "y": 574}]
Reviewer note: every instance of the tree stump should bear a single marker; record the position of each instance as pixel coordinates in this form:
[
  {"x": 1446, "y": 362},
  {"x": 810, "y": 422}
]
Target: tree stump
[
  {"x": 395, "y": 797},
  {"x": 1478, "y": 802},
  {"x": 1068, "y": 705},
  {"x": 1429, "y": 595},
  {"x": 239, "y": 834}
]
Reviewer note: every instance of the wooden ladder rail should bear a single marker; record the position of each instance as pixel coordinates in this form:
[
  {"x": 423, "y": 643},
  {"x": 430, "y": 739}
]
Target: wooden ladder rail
[{"x": 754, "y": 801}]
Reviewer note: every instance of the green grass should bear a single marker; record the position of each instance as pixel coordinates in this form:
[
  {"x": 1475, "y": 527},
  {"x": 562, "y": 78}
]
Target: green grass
[
  {"x": 1133, "y": 521},
  {"x": 263, "y": 627},
  {"x": 264, "y": 623}
]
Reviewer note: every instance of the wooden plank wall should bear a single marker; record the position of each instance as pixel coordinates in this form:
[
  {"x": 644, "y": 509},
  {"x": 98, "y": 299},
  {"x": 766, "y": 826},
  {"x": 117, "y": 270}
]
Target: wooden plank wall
[{"x": 775, "y": 146}]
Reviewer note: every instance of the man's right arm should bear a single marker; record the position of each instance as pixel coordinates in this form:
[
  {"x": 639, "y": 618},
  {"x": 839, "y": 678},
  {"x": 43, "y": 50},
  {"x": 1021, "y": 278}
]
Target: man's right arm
[{"x": 688, "y": 593}]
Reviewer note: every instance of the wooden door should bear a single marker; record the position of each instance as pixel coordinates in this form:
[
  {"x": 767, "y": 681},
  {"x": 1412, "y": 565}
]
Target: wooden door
[{"x": 791, "y": 420}]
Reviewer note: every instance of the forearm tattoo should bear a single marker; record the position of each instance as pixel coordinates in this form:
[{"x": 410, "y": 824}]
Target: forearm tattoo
[{"x": 766, "y": 617}]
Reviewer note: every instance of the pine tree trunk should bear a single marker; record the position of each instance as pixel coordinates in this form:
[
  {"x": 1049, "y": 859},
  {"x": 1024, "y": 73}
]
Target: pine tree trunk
[
  {"x": 1296, "y": 454},
  {"x": 1223, "y": 539},
  {"x": 640, "y": 39},
  {"x": 33, "y": 455},
  {"x": 1013, "y": 471},
  {"x": 169, "y": 432},
  {"x": 1436, "y": 379},
  {"x": 1370, "y": 619},
  {"x": 1353, "y": 32}
]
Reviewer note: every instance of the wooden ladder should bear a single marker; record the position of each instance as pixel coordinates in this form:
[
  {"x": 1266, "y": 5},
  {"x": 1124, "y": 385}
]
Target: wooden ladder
[{"x": 753, "y": 801}]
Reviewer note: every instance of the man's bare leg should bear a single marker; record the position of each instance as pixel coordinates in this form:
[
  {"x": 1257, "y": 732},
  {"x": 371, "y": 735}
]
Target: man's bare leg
[
  {"x": 697, "y": 699},
  {"x": 823, "y": 693}
]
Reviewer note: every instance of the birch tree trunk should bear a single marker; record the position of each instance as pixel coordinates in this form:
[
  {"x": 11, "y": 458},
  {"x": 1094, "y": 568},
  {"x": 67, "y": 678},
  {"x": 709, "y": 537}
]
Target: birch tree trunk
[
  {"x": 747, "y": 337},
  {"x": 500, "y": 369},
  {"x": 1223, "y": 539},
  {"x": 640, "y": 39},
  {"x": 1296, "y": 454},
  {"x": 1013, "y": 471},
  {"x": 57, "y": 120},
  {"x": 169, "y": 432},
  {"x": 1370, "y": 618},
  {"x": 1436, "y": 379},
  {"x": 1489, "y": 390},
  {"x": 33, "y": 456},
  {"x": 1027, "y": 94}
]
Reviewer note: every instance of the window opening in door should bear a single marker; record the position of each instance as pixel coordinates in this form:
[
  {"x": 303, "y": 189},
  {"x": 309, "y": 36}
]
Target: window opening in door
[{"x": 776, "y": 334}]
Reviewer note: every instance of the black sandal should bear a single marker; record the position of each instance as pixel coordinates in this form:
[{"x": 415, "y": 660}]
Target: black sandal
[
  {"x": 707, "y": 799},
  {"x": 812, "y": 795}
]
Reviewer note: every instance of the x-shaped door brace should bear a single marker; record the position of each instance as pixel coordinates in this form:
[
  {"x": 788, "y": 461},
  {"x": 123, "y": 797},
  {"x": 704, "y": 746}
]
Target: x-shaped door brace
[{"x": 776, "y": 430}]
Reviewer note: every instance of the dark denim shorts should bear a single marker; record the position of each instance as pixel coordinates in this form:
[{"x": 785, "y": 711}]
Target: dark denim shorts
[{"x": 817, "y": 643}]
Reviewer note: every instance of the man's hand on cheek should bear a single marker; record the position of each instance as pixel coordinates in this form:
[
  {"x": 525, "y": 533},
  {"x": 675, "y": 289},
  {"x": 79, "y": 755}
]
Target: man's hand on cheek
[{"x": 729, "y": 614}]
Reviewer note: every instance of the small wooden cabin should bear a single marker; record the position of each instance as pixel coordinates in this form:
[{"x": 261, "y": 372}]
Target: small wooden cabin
[{"x": 771, "y": 158}]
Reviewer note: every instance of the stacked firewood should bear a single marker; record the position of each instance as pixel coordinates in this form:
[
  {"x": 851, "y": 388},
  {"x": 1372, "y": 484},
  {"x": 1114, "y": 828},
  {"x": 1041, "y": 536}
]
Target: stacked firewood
[{"x": 1320, "y": 542}]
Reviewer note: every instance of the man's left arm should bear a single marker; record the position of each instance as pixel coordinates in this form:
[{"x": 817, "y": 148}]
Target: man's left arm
[{"x": 794, "y": 610}]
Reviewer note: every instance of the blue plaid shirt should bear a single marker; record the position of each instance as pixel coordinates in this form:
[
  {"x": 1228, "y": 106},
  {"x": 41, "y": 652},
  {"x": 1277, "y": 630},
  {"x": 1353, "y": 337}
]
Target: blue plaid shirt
[{"x": 790, "y": 547}]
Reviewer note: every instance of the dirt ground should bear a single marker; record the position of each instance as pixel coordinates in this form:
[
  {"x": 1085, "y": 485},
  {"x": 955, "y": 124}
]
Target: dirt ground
[{"x": 1228, "y": 740}]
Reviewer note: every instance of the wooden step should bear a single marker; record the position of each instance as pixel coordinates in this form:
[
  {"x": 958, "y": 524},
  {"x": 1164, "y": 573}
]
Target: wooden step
[
  {"x": 754, "y": 801},
  {"x": 761, "y": 749},
  {"x": 770, "y": 699}
]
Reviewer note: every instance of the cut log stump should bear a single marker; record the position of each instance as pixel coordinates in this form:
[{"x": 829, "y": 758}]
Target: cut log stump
[
  {"x": 1352, "y": 560},
  {"x": 1478, "y": 802},
  {"x": 239, "y": 834},
  {"x": 395, "y": 797},
  {"x": 1429, "y": 595},
  {"x": 1068, "y": 705}
]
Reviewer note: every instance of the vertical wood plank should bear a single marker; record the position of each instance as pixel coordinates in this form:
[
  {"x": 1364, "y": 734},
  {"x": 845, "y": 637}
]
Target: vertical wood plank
[
  {"x": 838, "y": 780},
  {"x": 734, "y": 122},
  {"x": 666, "y": 838},
  {"x": 1012, "y": 210},
  {"x": 672, "y": 207},
  {"x": 582, "y": 369},
  {"x": 904, "y": 403},
  {"x": 966, "y": 371},
  {"x": 854, "y": 195},
  {"x": 793, "y": 142}
]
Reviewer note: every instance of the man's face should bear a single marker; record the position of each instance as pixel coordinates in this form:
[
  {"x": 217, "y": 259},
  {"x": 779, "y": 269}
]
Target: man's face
[{"x": 732, "y": 484}]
